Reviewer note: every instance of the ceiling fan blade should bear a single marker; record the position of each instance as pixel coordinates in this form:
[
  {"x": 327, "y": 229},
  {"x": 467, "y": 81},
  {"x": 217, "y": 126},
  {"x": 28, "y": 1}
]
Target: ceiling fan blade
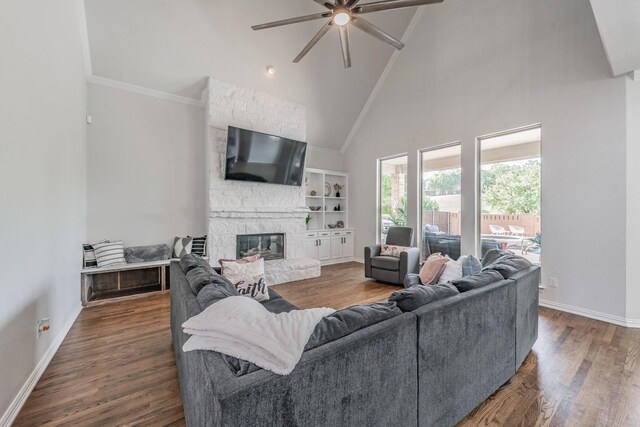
[
  {"x": 325, "y": 3},
  {"x": 376, "y": 32},
  {"x": 344, "y": 43},
  {"x": 292, "y": 20},
  {"x": 391, "y": 4},
  {"x": 314, "y": 40},
  {"x": 351, "y": 3}
]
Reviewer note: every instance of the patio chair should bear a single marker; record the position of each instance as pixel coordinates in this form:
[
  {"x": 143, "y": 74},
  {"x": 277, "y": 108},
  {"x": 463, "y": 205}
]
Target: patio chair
[
  {"x": 497, "y": 230},
  {"x": 516, "y": 230}
]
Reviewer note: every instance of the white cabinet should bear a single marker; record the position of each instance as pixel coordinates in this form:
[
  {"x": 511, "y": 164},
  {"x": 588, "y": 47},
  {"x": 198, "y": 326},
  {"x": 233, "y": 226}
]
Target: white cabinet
[
  {"x": 342, "y": 244},
  {"x": 317, "y": 245},
  {"x": 330, "y": 247}
]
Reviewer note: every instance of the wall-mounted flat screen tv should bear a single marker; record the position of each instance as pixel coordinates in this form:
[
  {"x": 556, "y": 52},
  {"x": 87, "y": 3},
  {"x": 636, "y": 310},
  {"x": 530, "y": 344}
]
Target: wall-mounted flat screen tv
[{"x": 259, "y": 157}]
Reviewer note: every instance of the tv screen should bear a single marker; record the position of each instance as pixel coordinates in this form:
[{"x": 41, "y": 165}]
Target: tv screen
[{"x": 259, "y": 157}]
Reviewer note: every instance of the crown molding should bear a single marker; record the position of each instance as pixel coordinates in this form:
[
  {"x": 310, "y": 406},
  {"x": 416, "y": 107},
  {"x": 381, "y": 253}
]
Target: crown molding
[
  {"x": 323, "y": 149},
  {"x": 116, "y": 84},
  {"x": 383, "y": 77}
]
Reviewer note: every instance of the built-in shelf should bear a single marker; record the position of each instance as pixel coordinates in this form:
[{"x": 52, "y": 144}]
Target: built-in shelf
[{"x": 317, "y": 180}]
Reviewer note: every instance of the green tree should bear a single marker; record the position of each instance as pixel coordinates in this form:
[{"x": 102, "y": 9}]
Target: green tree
[
  {"x": 385, "y": 195},
  {"x": 445, "y": 182},
  {"x": 512, "y": 189},
  {"x": 429, "y": 204},
  {"x": 399, "y": 214}
]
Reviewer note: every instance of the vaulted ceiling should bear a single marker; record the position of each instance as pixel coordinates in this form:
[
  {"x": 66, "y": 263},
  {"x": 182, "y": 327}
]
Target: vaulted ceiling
[{"x": 174, "y": 46}]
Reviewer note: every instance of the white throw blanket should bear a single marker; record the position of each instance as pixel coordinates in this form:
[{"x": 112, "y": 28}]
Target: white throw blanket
[{"x": 242, "y": 327}]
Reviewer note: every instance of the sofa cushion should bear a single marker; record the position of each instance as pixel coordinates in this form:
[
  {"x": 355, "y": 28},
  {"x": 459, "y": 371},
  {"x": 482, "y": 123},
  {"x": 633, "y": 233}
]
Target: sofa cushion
[
  {"x": 349, "y": 320},
  {"x": 191, "y": 261},
  {"x": 508, "y": 265},
  {"x": 492, "y": 255},
  {"x": 212, "y": 293},
  {"x": 416, "y": 296},
  {"x": 476, "y": 281},
  {"x": 386, "y": 262},
  {"x": 470, "y": 265},
  {"x": 200, "y": 277}
]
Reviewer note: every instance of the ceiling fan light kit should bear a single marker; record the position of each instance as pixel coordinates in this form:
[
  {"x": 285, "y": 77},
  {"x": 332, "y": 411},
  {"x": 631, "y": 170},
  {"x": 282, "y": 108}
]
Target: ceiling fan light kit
[{"x": 345, "y": 12}]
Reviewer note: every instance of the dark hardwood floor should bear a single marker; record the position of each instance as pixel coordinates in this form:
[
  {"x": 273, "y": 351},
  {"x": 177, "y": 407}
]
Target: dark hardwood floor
[{"x": 116, "y": 366}]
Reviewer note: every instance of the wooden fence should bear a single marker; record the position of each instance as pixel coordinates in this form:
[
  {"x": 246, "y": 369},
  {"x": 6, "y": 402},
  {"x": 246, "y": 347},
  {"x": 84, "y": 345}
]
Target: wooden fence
[{"x": 449, "y": 222}]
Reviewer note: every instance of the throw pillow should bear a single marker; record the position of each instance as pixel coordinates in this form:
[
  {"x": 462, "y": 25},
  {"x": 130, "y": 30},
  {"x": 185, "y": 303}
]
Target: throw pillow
[
  {"x": 247, "y": 276},
  {"x": 109, "y": 253},
  {"x": 182, "y": 246},
  {"x": 147, "y": 253},
  {"x": 476, "y": 281},
  {"x": 433, "y": 268},
  {"x": 452, "y": 271},
  {"x": 415, "y": 297},
  {"x": 89, "y": 255},
  {"x": 392, "y": 250},
  {"x": 199, "y": 246},
  {"x": 470, "y": 265}
]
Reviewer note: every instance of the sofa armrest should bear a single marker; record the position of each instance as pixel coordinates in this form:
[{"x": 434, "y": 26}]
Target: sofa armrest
[
  {"x": 412, "y": 279},
  {"x": 409, "y": 262},
  {"x": 369, "y": 252}
]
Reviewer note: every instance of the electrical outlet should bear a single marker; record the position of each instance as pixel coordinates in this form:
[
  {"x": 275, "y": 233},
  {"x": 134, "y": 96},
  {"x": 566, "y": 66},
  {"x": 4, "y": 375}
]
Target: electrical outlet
[
  {"x": 553, "y": 282},
  {"x": 43, "y": 325}
]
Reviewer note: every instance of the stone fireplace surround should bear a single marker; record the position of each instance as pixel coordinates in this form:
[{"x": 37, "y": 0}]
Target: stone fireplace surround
[{"x": 237, "y": 207}]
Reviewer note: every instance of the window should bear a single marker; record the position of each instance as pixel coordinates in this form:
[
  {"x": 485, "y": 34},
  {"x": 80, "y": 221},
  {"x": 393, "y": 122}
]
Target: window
[
  {"x": 510, "y": 170},
  {"x": 440, "y": 200},
  {"x": 392, "y": 194}
]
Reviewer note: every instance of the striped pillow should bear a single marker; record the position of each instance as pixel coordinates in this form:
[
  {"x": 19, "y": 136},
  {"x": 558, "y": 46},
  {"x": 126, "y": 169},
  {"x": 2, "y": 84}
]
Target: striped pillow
[
  {"x": 109, "y": 253},
  {"x": 199, "y": 246},
  {"x": 89, "y": 256}
]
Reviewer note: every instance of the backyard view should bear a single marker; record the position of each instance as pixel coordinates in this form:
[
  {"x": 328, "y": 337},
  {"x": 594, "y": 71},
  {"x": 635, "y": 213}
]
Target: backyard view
[{"x": 510, "y": 168}]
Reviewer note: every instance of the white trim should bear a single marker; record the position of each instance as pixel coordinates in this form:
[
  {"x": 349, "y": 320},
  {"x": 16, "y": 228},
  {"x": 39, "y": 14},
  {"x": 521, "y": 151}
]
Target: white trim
[
  {"x": 359, "y": 260},
  {"x": 381, "y": 80},
  {"x": 116, "y": 84},
  {"x": 18, "y": 402},
  {"x": 81, "y": 15},
  {"x": 323, "y": 149},
  {"x": 591, "y": 314}
]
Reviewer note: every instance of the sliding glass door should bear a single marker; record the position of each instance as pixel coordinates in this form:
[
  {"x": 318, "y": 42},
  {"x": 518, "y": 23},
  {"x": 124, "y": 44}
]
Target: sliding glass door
[
  {"x": 510, "y": 170},
  {"x": 440, "y": 200},
  {"x": 392, "y": 194}
]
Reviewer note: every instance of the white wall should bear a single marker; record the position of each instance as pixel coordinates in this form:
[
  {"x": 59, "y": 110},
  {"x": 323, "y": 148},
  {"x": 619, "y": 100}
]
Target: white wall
[
  {"x": 145, "y": 168},
  {"x": 473, "y": 68},
  {"x": 633, "y": 199},
  {"x": 42, "y": 181}
]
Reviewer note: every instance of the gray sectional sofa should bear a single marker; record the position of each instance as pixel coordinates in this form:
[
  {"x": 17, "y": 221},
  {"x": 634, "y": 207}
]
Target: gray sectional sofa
[{"x": 427, "y": 367}]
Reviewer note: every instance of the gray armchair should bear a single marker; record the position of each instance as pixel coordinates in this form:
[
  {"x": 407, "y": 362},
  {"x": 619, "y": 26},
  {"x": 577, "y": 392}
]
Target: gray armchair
[{"x": 391, "y": 269}]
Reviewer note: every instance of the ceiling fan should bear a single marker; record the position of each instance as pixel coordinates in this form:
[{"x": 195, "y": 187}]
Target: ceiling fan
[{"x": 344, "y": 12}]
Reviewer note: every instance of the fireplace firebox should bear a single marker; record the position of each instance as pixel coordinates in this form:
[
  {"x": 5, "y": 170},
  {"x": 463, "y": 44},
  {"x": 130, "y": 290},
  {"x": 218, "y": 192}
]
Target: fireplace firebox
[{"x": 268, "y": 246}]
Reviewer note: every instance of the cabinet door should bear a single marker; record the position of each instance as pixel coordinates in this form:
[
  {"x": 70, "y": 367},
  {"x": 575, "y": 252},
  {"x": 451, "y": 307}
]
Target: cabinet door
[
  {"x": 324, "y": 248},
  {"x": 336, "y": 247},
  {"x": 347, "y": 246},
  {"x": 311, "y": 248}
]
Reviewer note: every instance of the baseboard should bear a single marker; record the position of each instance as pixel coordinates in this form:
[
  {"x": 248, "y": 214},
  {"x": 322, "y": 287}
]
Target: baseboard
[
  {"x": 335, "y": 261},
  {"x": 360, "y": 260},
  {"x": 18, "y": 402},
  {"x": 591, "y": 314}
]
